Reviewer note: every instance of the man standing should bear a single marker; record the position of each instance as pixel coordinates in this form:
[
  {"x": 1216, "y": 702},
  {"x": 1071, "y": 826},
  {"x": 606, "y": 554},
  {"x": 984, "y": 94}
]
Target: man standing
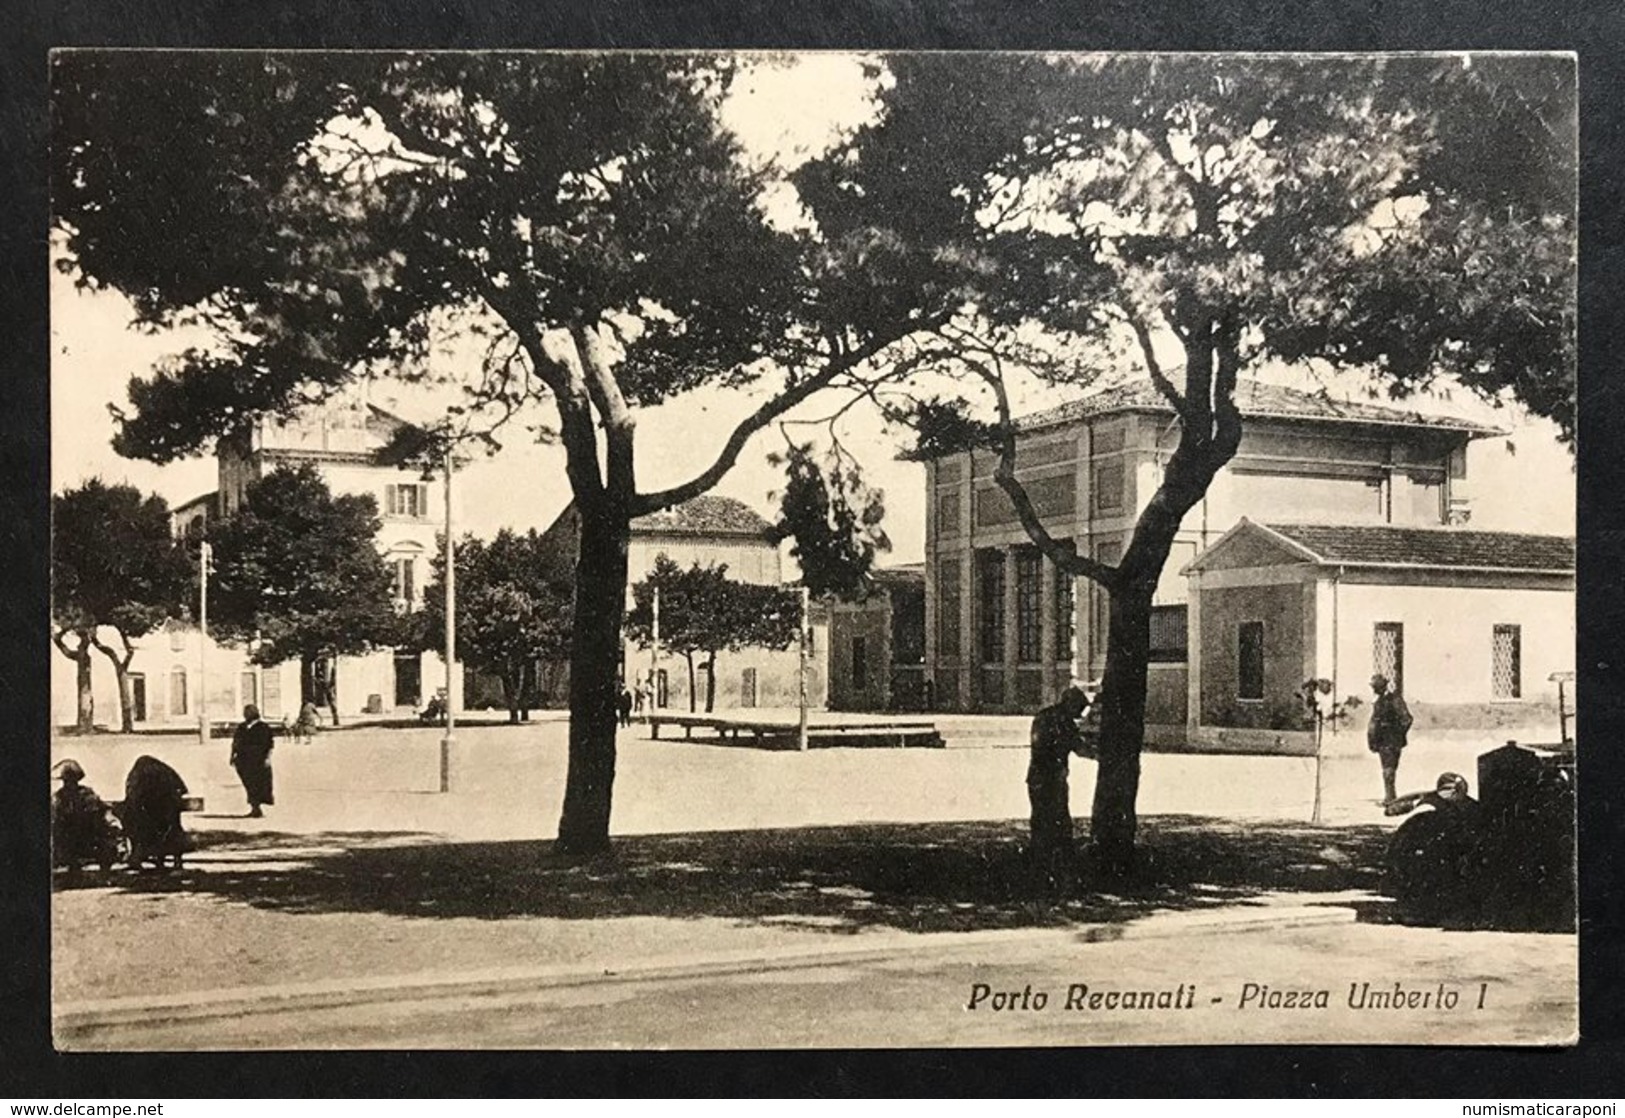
[
  {"x": 1055, "y": 737},
  {"x": 1387, "y": 730},
  {"x": 251, "y": 757}
]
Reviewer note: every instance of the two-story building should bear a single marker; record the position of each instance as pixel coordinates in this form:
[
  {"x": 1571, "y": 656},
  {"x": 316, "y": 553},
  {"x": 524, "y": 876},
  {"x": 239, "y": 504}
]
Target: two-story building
[
  {"x": 343, "y": 441},
  {"x": 710, "y": 530},
  {"x": 1004, "y": 633}
]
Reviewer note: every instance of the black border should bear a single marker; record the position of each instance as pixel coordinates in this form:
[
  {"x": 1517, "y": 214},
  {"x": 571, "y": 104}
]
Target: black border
[{"x": 1593, "y": 28}]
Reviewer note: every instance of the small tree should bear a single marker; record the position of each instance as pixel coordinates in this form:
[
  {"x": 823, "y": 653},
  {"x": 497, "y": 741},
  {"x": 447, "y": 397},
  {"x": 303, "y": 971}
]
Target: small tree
[
  {"x": 704, "y": 612},
  {"x": 513, "y": 609},
  {"x": 298, "y": 575},
  {"x": 114, "y": 565}
]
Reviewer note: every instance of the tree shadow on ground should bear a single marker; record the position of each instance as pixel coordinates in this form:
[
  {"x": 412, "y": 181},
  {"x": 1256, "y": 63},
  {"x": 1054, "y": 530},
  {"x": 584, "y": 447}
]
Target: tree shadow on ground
[{"x": 927, "y": 877}]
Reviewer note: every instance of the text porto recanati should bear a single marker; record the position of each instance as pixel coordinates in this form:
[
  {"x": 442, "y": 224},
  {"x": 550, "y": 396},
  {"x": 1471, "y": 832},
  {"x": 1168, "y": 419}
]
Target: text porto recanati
[{"x": 1086, "y": 997}]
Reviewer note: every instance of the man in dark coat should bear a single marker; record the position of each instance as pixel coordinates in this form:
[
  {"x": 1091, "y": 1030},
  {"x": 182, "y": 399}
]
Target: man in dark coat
[
  {"x": 154, "y": 795},
  {"x": 251, "y": 757},
  {"x": 1055, "y": 737},
  {"x": 1386, "y": 733}
]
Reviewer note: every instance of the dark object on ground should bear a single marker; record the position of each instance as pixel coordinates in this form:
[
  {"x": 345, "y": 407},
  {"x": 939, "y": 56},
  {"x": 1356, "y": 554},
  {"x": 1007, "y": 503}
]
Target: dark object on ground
[
  {"x": 434, "y": 713},
  {"x": 84, "y": 830},
  {"x": 154, "y": 797},
  {"x": 1505, "y": 860}
]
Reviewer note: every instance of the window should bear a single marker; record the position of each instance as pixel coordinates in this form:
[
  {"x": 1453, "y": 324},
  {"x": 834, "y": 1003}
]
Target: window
[
  {"x": 948, "y": 604},
  {"x": 860, "y": 664},
  {"x": 1168, "y": 635},
  {"x": 177, "y": 639},
  {"x": 1506, "y": 662},
  {"x": 1108, "y": 486},
  {"x": 177, "y": 691},
  {"x": 406, "y": 500},
  {"x": 1250, "y": 660},
  {"x": 1029, "y": 606},
  {"x": 405, "y": 571},
  {"x": 747, "y": 687},
  {"x": 1388, "y": 652},
  {"x": 1101, "y": 607},
  {"x": 248, "y": 689},
  {"x": 1065, "y": 608},
  {"x": 990, "y": 605}
]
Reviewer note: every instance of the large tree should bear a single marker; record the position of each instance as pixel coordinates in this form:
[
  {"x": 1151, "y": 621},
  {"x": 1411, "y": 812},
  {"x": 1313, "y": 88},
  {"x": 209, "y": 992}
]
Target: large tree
[
  {"x": 513, "y": 609},
  {"x": 333, "y": 215},
  {"x": 114, "y": 565},
  {"x": 704, "y": 612},
  {"x": 1411, "y": 217},
  {"x": 297, "y": 576}
]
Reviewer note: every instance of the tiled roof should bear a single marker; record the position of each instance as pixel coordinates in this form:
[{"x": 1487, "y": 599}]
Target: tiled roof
[
  {"x": 1381, "y": 545},
  {"x": 708, "y": 515},
  {"x": 903, "y": 574},
  {"x": 1254, "y": 398}
]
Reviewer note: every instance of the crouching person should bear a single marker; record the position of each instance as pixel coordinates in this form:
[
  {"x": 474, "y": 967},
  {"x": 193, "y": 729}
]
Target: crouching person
[{"x": 154, "y": 796}]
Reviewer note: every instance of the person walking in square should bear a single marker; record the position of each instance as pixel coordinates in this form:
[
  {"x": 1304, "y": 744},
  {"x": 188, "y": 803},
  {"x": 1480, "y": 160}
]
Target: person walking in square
[
  {"x": 1055, "y": 737},
  {"x": 251, "y": 756},
  {"x": 1387, "y": 731}
]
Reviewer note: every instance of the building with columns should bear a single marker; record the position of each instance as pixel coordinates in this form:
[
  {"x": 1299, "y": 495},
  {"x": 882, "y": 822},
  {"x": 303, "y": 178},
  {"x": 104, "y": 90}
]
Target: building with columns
[{"x": 1004, "y": 633}]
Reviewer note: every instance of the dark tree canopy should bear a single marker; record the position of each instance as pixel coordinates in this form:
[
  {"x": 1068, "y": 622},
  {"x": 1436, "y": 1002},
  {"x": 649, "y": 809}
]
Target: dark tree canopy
[
  {"x": 114, "y": 565},
  {"x": 704, "y": 612},
  {"x": 114, "y": 561},
  {"x": 513, "y": 607},
  {"x": 297, "y": 571},
  {"x": 833, "y": 520}
]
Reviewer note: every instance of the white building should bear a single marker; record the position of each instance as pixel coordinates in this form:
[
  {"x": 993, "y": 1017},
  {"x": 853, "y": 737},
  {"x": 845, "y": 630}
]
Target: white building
[{"x": 343, "y": 441}]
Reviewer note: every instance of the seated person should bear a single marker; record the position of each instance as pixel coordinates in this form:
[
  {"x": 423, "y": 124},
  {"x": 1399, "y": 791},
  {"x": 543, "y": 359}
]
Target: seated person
[{"x": 83, "y": 828}]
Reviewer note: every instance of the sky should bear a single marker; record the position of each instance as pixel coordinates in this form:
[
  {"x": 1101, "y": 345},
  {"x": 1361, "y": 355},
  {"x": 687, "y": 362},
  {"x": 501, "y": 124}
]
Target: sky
[{"x": 789, "y": 109}]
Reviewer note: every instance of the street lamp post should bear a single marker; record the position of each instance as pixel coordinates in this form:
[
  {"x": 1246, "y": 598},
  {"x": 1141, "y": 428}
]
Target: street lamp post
[
  {"x": 451, "y": 636},
  {"x": 205, "y": 556},
  {"x": 801, "y": 725}
]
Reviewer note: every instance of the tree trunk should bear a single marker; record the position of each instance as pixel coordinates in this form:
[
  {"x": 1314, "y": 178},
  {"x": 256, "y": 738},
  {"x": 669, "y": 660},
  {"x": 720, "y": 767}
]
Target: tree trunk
[
  {"x": 126, "y": 694},
  {"x": 527, "y": 686},
  {"x": 710, "y": 683},
  {"x": 595, "y": 653},
  {"x": 307, "y": 680},
  {"x": 85, "y": 720},
  {"x": 1122, "y": 728},
  {"x": 692, "y": 697},
  {"x": 330, "y": 684}
]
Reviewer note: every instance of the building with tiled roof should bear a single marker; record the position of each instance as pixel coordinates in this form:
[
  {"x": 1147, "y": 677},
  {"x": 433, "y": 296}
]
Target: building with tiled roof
[
  {"x": 1462, "y": 622},
  {"x": 1256, "y": 399},
  {"x": 1344, "y": 484},
  {"x": 709, "y": 530},
  {"x": 1436, "y": 548},
  {"x": 706, "y": 515}
]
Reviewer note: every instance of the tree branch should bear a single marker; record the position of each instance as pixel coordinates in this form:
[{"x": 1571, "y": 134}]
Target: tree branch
[
  {"x": 645, "y": 503},
  {"x": 1065, "y": 556},
  {"x": 1154, "y": 367}
]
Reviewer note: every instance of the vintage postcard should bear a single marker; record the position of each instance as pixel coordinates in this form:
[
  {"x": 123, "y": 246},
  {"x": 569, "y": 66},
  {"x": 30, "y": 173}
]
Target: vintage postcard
[{"x": 574, "y": 550}]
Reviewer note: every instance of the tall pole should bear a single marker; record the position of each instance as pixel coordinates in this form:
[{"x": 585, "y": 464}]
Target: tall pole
[
  {"x": 205, "y": 555},
  {"x": 801, "y": 726},
  {"x": 451, "y": 636},
  {"x": 654, "y": 650}
]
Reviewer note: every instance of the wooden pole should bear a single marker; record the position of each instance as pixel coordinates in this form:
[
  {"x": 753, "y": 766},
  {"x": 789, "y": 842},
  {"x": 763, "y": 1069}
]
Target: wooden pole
[
  {"x": 451, "y": 635},
  {"x": 205, "y": 555},
  {"x": 801, "y": 730}
]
